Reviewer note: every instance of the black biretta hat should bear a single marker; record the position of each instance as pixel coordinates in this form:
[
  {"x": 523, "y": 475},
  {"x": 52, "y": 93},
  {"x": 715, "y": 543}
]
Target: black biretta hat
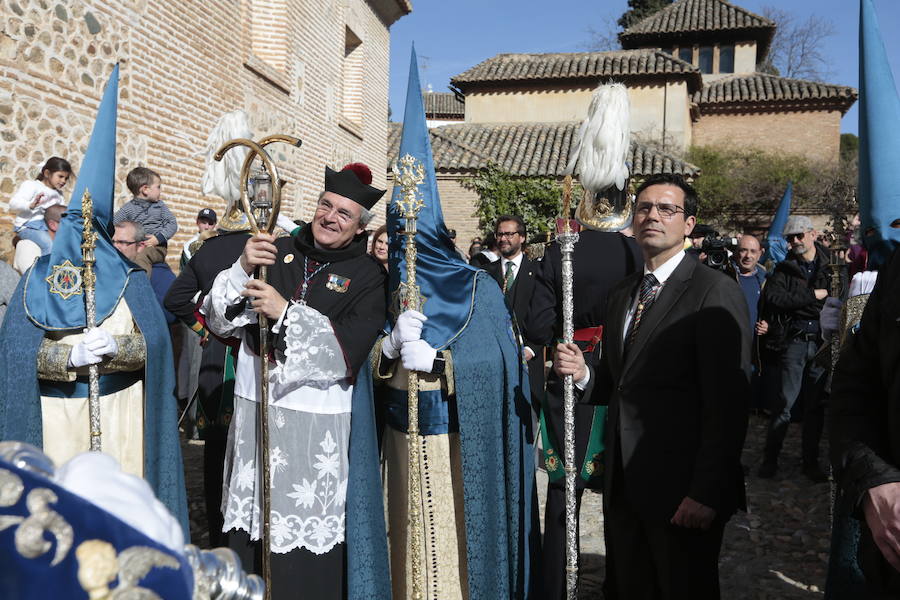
[{"x": 348, "y": 183}]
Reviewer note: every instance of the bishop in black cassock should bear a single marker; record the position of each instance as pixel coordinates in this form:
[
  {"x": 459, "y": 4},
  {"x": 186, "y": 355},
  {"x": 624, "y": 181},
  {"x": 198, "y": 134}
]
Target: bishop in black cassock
[{"x": 325, "y": 299}]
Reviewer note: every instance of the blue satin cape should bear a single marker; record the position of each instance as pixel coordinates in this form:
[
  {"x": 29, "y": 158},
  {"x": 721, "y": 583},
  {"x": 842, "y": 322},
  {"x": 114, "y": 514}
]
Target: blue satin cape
[{"x": 20, "y": 400}]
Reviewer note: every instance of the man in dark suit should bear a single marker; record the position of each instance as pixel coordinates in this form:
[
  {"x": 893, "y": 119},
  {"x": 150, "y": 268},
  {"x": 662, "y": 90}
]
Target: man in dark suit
[
  {"x": 601, "y": 260},
  {"x": 675, "y": 374},
  {"x": 515, "y": 272}
]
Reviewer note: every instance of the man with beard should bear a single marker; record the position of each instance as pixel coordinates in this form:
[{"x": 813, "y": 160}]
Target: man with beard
[
  {"x": 793, "y": 298},
  {"x": 515, "y": 273},
  {"x": 325, "y": 301}
]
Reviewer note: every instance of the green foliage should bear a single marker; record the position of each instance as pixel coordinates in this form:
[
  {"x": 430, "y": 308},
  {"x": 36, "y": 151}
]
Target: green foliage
[
  {"x": 740, "y": 188},
  {"x": 640, "y": 9},
  {"x": 849, "y": 147},
  {"x": 535, "y": 199}
]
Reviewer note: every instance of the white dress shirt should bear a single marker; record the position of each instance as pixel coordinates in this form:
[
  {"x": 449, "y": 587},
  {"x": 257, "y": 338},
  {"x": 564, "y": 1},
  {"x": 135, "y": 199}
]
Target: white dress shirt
[
  {"x": 516, "y": 262},
  {"x": 662, "y": 274}
]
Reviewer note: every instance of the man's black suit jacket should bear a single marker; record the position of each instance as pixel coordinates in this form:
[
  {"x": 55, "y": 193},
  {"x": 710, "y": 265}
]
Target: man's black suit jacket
[
  {"x": 519, "y": 300},
  {"x": 678, "y": 397},
  {"x": 519, "y": 297}
]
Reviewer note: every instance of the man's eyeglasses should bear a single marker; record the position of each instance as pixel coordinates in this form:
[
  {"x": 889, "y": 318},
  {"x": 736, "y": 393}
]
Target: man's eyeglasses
[
  {"x": 665, "y": 210},
  {"x": 506, "y": 234},
  {"x": 123, "y": 243},
  {"x": 794, "y": 236}
]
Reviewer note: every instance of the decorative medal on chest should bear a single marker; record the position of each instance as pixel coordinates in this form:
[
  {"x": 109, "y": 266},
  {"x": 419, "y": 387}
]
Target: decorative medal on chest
[{"x": 338, "y": 284}]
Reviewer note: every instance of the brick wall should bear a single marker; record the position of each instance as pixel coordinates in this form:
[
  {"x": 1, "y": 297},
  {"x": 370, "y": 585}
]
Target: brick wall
[
  {"x": 183, "y": 65},
  {"x": 815, "y": 134}
]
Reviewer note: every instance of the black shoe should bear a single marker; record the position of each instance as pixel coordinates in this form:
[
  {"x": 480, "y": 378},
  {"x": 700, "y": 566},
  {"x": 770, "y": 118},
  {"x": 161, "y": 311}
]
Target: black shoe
[
  {"x": 815, "y": 474},
  {"x": 767, "y": 470}
]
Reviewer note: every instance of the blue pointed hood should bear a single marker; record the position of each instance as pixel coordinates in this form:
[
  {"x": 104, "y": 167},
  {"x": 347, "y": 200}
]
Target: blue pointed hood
[
  {"x": 879, "y": 138},
  {"x": 446, "y": 282},
  {"x": 54, "y": 298},
  {"x": 777, "y": 245}
]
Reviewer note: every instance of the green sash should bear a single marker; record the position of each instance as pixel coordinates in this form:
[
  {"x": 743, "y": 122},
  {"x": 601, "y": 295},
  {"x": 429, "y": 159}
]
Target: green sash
[{"x": 592, "y": 469}]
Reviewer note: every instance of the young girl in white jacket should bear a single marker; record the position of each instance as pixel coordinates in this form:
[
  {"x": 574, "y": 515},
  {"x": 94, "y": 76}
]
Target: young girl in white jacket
[{"x": 34, "y": 197}]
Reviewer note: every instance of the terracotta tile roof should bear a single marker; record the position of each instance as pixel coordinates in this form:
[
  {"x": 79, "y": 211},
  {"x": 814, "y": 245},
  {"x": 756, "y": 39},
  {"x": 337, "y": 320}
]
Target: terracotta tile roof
[
  {"x": 693, "y": 16},
  {"x": 758, "y": 88},
  {"x": 443, "y": 105},
  {"x": 592, "y": 66},
  {"x": 528, "y": 149},
  {"x": 688, "y": 19}
]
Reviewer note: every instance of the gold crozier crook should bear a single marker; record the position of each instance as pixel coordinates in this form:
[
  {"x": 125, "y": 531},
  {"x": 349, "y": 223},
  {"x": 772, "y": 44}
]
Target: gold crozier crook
[{"x": 262, "y": 214}]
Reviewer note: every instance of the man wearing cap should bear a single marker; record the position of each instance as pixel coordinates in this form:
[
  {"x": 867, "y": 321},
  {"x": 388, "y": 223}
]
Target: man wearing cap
[
  {"x": 206, "y": 221},
  {"x": 325, "y": 301},
  {"x": 792, "y": 300}
]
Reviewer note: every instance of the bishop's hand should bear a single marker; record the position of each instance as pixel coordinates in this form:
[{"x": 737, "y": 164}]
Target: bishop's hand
[
  {"x": 259, "y": 250},
  {"x": 264, "y": 299}
]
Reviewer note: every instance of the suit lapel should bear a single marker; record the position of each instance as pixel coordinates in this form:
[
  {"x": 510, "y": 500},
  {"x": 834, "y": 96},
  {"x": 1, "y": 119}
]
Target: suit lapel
[
  {"x": 617, "y": 308},
  {"x": 668, "y": 297},
  {"x": 522, "y": 284}
]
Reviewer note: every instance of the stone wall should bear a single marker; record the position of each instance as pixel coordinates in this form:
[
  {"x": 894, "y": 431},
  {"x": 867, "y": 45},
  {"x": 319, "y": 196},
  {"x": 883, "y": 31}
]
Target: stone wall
[
  {"x": 814, "y": 134},
  {"x": 183, "y": 65}
]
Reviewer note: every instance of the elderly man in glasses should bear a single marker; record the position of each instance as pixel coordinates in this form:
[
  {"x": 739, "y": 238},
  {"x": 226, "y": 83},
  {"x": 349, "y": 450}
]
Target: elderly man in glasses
[
  {"x": 325, "y": 300},
  {"x": 792, "y": 300}
]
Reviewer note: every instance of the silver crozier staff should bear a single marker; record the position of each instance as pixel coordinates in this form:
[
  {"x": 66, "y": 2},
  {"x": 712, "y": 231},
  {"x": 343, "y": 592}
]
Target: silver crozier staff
[
  {"x": 262, "y": 213},
  {"x": 599, "y": 157},
  {"x": 89, "y": 281},
  {"x": 567, "y": 237},
  {"x": 410, "y": 174}
]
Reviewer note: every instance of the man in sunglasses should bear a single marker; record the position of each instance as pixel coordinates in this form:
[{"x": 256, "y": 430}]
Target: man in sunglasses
[{"x": 792, "y": 300}]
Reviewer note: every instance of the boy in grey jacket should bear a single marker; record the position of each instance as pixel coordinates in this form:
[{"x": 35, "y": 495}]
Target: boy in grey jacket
[{"x": 147, "y": 209}]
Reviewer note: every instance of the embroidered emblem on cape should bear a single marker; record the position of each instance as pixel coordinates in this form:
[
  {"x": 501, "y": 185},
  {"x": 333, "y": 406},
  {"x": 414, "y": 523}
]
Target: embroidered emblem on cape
[
  {"x": 288, "y": 259},
  {"x": 336, "y": 283},
  {"x": 65, "y": 280}
]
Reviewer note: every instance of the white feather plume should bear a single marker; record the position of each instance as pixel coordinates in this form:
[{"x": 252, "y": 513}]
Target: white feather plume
[
  {"x": 601, "y": 148},
  {"x": 222, "y": 178}
]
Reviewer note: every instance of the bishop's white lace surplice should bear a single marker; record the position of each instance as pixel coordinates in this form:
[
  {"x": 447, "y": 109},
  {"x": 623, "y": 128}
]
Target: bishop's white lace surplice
[{"x": 309, "y": 425}]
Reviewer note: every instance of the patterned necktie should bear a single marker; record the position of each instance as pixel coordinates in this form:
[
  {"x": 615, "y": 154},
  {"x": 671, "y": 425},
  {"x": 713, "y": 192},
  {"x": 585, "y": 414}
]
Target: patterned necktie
[
  {"x": 649, "y": 287},
  {"x": 508, "y": 276}
]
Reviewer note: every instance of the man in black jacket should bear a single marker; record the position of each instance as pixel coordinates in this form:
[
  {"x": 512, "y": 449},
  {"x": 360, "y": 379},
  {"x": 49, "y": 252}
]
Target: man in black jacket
[
  {"x": 864, "y": 422},
  {"x": 793, "y": 297}
]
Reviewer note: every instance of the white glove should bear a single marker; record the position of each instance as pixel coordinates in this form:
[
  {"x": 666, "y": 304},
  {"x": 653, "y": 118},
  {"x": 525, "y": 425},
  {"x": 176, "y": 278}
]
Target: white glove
[
  {"x": 100, "y": 342},
  {"x": 830, "y": 316},
  {"x": 92, "y": 348},
  {"x": 408, "y": 328},
  {"x": 80, "y": 356},
  {"x": 863, "y": 283},
  {"x": 418, "y": 356}
]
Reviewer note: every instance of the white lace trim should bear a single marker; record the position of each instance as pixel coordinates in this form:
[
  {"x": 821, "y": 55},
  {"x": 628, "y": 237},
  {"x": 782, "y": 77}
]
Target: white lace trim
[
  {"x": 309, "y": 479},
  {"x": 313, "y": 356}
]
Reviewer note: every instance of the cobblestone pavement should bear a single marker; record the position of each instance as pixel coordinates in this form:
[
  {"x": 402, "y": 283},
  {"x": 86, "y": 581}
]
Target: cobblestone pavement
[{"x": 778, "y": 550}]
